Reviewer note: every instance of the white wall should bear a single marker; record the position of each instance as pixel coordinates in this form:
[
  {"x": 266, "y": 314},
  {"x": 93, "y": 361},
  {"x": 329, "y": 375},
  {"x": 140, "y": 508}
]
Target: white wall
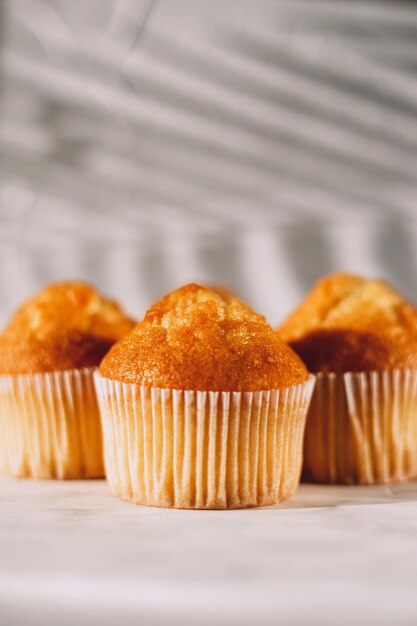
[{"x": 257, "y": 144}]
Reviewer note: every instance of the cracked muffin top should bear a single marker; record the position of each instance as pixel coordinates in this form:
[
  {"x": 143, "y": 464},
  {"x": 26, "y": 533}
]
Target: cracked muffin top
[
  {"x": 66, "y": 325},
  {"x": 199, "y": 339},
  {"x": 349, "y": 324}
]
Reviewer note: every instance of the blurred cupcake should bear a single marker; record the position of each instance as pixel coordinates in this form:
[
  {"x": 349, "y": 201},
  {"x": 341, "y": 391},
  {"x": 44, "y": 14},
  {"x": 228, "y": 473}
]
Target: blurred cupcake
[
  {"x": 203, "y": 406},
  {"x": 49, "y": 419},
  {"x": 360, "y": 337}
]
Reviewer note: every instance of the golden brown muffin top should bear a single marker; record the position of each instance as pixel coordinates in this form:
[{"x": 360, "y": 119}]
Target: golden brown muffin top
[
  {"x": 66, "y": 325},
  {"x": 195, "y": 338},
  {"x": 223, "y": 291},
  {"x": 348, "y": 323}
]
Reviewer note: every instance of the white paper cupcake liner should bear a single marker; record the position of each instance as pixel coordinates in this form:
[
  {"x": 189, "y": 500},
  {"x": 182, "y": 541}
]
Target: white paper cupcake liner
[
  {"x": 202, "y": 450},
  {"x": 50, "y": 425},
  {"x": 362, "y": 428}
]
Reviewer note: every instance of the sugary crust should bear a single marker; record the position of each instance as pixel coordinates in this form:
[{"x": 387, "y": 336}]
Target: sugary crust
[
  {"x": 348, "y": 323},
  {"x": 197, "y": 339},
  {"x": 66, "y": 325}
]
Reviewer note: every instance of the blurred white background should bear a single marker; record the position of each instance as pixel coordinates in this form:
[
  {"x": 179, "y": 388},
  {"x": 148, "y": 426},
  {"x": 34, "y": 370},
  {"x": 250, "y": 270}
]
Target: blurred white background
[{"x": 257, "y": 144}]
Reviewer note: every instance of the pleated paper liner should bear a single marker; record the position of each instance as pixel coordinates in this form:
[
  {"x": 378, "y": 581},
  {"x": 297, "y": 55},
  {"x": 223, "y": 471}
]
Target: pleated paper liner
[
  {"x": 362, "y": 428},
  {"x": 50, "y": 425},
  {"x": 202, "y": 450}
]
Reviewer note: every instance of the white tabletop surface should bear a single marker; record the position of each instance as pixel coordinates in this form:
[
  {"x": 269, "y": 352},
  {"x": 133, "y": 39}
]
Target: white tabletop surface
[{"x": 71, "y": 554}]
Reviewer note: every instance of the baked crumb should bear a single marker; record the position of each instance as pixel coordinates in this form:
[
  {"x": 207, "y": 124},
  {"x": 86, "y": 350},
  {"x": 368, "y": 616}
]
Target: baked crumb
[
  {"x": 66, "y": 325},
  {"x": 197, "y": 338},
  {"x": 350, "y": 323}
]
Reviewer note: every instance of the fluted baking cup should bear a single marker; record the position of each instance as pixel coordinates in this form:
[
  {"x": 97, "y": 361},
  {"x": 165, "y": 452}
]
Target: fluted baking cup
[
  {"x": 362, "y": 428},
  {"x": 50, "y": 425},
  {"x": 202, "y": 449}
]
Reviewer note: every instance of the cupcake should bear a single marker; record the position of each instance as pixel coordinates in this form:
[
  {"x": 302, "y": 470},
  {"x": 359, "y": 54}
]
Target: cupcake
[
  {"x": 203, "y": 406},
  {"x": 360, "y": 337},
  {"x": 49, "y": 418}
]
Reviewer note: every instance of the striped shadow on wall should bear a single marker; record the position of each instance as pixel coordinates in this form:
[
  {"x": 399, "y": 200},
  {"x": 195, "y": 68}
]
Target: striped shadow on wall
[{"x": 144, "y": 144}]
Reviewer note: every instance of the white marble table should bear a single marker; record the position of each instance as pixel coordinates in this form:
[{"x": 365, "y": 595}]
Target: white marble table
[{"x": 70, "y": 554}]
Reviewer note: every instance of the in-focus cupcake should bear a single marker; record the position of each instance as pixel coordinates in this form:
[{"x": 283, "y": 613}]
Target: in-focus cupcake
[
  {"x": 49, "y": 418},
  {"x": 203, "y": 406},
  {"x": 360, "y": 337}
]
